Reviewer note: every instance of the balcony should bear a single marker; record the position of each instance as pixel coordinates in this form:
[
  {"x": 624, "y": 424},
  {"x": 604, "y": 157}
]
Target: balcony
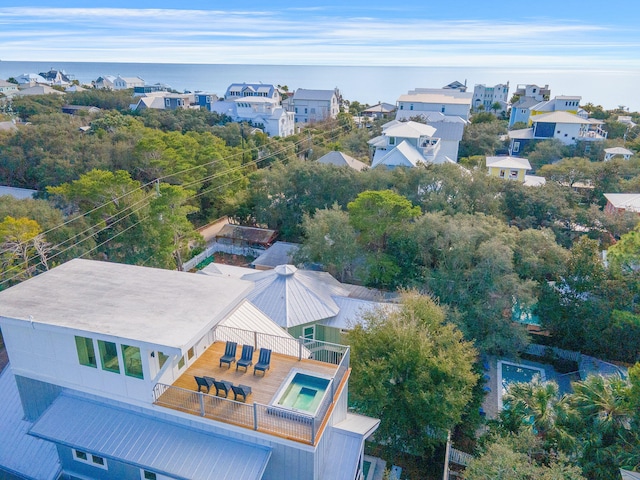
[{"x": 259, "y": 413}]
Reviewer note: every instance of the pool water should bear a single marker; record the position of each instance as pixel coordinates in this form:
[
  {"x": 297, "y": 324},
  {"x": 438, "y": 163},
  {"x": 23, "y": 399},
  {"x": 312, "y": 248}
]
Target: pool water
[
  {"x": 515, "y": 373},
  {"x": 304, "y": 393}
]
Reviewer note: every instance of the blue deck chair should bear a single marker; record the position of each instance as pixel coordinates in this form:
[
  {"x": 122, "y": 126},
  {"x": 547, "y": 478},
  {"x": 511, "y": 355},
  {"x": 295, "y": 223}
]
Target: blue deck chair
[
  {"x": 229, "y": 354},
  {"x": 204, "y": 382},
  {"x": 223, "y": 386},
  {"x": 264, "y": 361},
  {"x": 246, "y": 360},
  {"x": 241, "y": 391}
]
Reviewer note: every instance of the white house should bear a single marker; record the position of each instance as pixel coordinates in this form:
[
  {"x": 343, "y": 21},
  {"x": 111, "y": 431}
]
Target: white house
[
  {"x": 527, "y": 107},
  {"x": 106, "y": 82},
  {"x": 259, "y": 104},
  {"x": 122, "y": 83},
  {"x": 488, "y": 96},
  {"x": 622, "y": 202},
  {"x": 341, "y": 159},
  {"x": 104, "y": 359},
  {"x": 8, "y": 88},
  {"x": 312, "y": 106},
  {"x": 406, "y": 144},
  {"x": 449, "y": 102},
  {"x": 566, "y": 127}
]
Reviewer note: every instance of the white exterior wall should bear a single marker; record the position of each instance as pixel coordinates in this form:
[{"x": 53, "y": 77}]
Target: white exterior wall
[
  {"x": 567, "y": 133},
  {"x": 454, "y": 110},
  {"x": 49, "y": 354}
]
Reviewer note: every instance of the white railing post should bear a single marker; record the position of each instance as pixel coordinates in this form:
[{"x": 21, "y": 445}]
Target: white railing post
[
  {"x": 255, "y": 416},
  {"x": 201, "y": 400}
]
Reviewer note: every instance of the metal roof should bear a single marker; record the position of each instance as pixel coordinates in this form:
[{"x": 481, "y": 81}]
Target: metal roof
[
  {"x": 559, "y": 117},
  {"x": 146, "y": 442},
  {"x": 293, "y": 297},
  {"x": 24, "y": 455},
  {"x": 439, "y": 98},
  {"x": 342, "y": 160},
  {"x": 508, "y": 162},
  {"x": 626, "y": 201},
  {"x": 19, "y": 193},
  {"x": 305, "y": 94},
  {"x": 408, "y": 129},
  {"x": 279, "y": 253},
  {"x": 404, "y": 155},
  {"x": 351, "y": 311},
  {"x": 149, "y": 305}
]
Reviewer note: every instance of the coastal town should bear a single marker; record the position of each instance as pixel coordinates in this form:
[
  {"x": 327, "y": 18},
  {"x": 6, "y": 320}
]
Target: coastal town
[{"x": 274, "y": 282}]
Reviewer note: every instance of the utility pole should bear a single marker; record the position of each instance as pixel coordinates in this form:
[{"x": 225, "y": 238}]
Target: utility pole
[{"x": 445, "y": 475}]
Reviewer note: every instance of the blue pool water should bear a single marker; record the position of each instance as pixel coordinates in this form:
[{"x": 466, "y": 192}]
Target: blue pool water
[
  {"x": 512, "y": 373},
  {"x": 304, "y": 392}
]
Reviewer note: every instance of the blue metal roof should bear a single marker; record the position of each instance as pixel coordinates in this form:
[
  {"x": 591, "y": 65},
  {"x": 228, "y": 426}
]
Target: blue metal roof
[
  {"x": 24, "y": 455},
  {"x": 144, "y": 441}
]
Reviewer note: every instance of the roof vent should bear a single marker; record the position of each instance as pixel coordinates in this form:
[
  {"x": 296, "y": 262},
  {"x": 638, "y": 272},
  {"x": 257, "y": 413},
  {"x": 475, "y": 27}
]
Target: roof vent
[{"x": 285, "y": 270}]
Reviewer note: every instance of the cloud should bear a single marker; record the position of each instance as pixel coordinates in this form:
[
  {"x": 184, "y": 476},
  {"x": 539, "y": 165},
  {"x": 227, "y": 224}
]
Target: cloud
[{"x": 298, "y": 36}]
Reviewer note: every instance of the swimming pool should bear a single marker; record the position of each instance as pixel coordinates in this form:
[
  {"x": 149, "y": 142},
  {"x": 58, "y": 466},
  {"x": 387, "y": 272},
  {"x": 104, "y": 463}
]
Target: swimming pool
[
  {"x": 302, "y": 392},
  {"x": 509, "y": 372}
]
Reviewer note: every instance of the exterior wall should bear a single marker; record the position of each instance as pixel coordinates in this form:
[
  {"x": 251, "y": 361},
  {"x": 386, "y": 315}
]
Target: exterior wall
[
  {"x": 310, "y": 111},
  {"x": 35, "y": 396},
  {"x": 487, "y": 96},
  {"x": 455, "y": 110},
  {"x": 114, "y": 471},
  {"x": 519, "y": 115},
  {"x": 49, "y": 354},
  {"x": 507, "y": 173},
  {"x": 567, "y": 133}
]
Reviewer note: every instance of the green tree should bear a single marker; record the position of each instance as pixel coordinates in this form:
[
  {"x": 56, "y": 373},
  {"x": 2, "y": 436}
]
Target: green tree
[
  {"x": 413, "y": 370},
  {"x": 375, "y": 213},
  {"x": 330, "y": 240},
  {"x": 23, "y": 249},
  {"x": 624, "y": 256}
]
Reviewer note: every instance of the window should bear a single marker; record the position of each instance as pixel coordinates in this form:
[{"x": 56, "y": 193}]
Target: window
[
  {"x": 162, "y": 359},
  {"x": 190, "y": 353},
  {"x": 410, "y": 107},
  {"x": 392, "y": 140},
  {"x": 516, "y": 147},
  {"x": 167, "y": 102},
  {"x": 90, "y": 459},
  {"x": 146, "y": 475},
  {"x": 502, "y": 172},
  {"x": 309, "y": 333},
  {"x": 109, "y": 356},
  {"x": 86, "y": 352},
  {"x": 442, "y": 109},
  {"x": 513, "y": 174},
  {"x": 181, "y": 362},
  {"x": 306, "y": 110},
  {"x": 132, "y": 361}
]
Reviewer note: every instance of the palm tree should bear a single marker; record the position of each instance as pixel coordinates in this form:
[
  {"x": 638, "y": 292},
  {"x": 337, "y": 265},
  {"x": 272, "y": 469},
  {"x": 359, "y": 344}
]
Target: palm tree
[{"x": 539, "y": 406}]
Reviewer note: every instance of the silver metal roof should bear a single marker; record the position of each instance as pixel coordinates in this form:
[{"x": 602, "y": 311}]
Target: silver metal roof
[
  {"x": 279, "y": 253},
  {"x": 149, "y": 305},
  {"x": 141, "y": 440},
  {"x": 293, "y": 297},
  {"x": 342, "y": 160},
  {"x": 351, "y": 311},
  {"x": 23, "y": 455},
  {"x": 19, "y": 193}
]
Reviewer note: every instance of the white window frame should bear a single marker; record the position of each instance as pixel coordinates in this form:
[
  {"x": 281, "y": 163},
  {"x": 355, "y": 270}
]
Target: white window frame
[
  {"x": 516, "y": 147},
  {"x": 90, "y": 460},
  {"x": 306, "y": 336}
]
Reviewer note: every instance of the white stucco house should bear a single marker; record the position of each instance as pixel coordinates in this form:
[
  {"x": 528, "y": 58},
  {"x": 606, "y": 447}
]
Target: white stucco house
[
  {"x": 449, "y": 102},
  {"x": 257, "y": 103},
  {"x": 123, "y": 83},
  {"x": 488, "y": 96},
  {"x": 115, "y": 373}
]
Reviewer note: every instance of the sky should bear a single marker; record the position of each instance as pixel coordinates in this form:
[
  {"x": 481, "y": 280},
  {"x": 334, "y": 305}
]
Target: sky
[{"x": 463, "y": 33}]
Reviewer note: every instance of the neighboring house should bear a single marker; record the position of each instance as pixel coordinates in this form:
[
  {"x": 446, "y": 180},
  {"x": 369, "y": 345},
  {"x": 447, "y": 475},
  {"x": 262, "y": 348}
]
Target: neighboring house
[
  {"x": 76, "y": 109},
  {"x": 8, "y": 126},
  {"x": 258, "y": 104},
  {"x": 609, "y": 153},
  {"x": 312, "y": 106},
  {"x": 106, "y": 82},
  {"x": 31, "y": 79},
  {"x": 205, "y": 100},
  {"x": 381, "y": 110},
  {"x": 407, "y": 144},
  {"x": 280, "y": 253},
  {"x": 241, "y": 237},
  {"x": 526, "y": 107},
  {"x": 56, "y": 77},
  {"x": 105, "y": 366},
  {"x": 38, "y": 90},
  {"x": 508, "y": 168},
  {"x": 123, "y": 83},
  {"x": 139, "y": 91},
  {"x": 19, "y": 193},
  {"x": 163, "y": 101},
  {"x": 456, "y": 85},
  {"x": 622, "y": 202},
  {"x": 533, "y": 91},
  {"x": 489, "y": 96},
  {"x": 306, "y": 303},
  {"x": 8, "y": 88},
  {"x": 341, "y": 159},
  {"x": 566, "y": 127},
  {"x": 75, "y": 88},
  {"x": 449, "y": 102}
]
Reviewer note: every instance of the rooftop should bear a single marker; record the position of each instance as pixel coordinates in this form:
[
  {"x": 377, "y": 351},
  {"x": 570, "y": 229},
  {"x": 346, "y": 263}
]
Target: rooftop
[
  {"x": 125, "y": 299},
  {"x": 258, "y": 411}
]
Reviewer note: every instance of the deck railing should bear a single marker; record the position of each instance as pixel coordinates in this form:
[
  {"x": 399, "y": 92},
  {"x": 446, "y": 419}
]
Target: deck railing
[{"x": 264, "y": 418}]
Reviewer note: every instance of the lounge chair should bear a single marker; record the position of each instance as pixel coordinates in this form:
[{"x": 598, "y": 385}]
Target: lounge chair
[
  {"x": 264, "y": 361},
  {"x": 222, "y": 386},
  {"x": 204, "y": 382},
  {"x": 229, "y": 354},
  {"x": 241, "y": 391},
  {"x": 246, "y": 360}
]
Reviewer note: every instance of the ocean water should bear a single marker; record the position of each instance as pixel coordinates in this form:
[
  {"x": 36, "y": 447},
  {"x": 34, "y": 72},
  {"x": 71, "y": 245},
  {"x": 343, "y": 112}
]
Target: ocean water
[{"x": 609, "y": 88}]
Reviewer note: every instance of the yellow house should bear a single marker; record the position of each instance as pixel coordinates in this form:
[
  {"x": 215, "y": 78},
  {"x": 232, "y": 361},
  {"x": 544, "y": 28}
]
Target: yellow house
[{"x": 509, "y": 168}]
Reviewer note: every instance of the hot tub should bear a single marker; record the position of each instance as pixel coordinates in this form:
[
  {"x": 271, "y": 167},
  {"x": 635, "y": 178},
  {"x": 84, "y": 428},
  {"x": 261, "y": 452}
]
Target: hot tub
[{"x": 302, "y": 392}]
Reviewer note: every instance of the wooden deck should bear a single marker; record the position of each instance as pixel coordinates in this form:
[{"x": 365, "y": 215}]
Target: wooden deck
[{"x": 263, "y": 388}]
